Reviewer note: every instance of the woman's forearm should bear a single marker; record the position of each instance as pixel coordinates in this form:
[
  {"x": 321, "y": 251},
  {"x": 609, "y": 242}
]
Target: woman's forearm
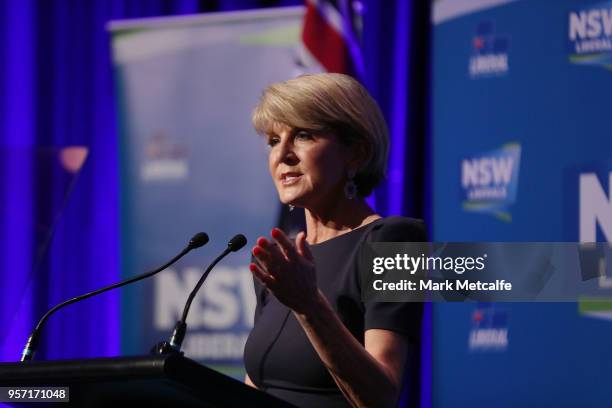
[{"x": 363, "y": 380}]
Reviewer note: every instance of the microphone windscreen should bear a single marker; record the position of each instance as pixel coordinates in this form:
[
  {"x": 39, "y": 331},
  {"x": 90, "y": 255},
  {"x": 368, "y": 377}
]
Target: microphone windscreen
[
  {"x": 237, "y": 242},
  {"x": 198, "y": 240}
]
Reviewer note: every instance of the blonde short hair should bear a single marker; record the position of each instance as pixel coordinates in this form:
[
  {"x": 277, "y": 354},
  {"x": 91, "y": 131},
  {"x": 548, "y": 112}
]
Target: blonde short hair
[{"x": 334, "y": 103}]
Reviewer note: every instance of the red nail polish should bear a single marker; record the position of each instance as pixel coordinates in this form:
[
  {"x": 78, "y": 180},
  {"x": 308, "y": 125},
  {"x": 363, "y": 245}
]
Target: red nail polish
[
  {"x": 252, "y": 267},
  {"x": 256, "y": 251},
  {"x": 275, "y": 233},
  {"x": 261, "y": 241}
]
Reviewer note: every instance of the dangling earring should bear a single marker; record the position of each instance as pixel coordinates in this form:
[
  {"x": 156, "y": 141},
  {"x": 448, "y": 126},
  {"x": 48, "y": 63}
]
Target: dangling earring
[
  {"x": 291, "y": 207},
  {"x": 350, "y": 188}
]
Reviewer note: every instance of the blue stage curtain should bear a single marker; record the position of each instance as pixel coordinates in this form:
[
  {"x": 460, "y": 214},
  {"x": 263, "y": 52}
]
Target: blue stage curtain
[
  {"x": 396, "y": 55},
  {"x": 17, "y": 102},
  {"x": 395, "y": 48}
]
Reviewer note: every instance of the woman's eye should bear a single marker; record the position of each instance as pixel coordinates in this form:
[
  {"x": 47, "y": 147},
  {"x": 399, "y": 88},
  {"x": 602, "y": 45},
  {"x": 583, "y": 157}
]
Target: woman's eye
[
  {"x": 272, "y": 141},
  {"x": 303, "y": 135}
]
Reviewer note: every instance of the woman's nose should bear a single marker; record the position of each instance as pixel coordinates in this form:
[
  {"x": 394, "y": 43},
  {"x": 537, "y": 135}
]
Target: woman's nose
[{"x": 287, "y": 153}]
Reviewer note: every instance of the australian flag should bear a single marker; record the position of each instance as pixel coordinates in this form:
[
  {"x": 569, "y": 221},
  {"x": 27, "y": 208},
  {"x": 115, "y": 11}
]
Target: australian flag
[{"x": 331, "y": 33}]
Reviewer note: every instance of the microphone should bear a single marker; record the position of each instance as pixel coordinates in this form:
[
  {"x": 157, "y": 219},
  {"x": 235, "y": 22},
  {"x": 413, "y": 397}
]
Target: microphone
[
  {"x": 198, "y": 240},
  {"x": 178, "y": 335}
]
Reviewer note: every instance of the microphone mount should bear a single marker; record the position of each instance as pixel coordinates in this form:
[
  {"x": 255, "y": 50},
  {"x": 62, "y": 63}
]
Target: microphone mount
[{"x": 180, "y": 329}]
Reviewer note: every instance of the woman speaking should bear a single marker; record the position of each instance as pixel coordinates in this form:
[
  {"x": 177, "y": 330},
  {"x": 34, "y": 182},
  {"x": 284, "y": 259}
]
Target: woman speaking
[{"x": 315, "y": 343}]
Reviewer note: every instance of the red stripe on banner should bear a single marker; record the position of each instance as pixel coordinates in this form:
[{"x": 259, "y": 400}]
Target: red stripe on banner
[{"x": 325, "y": 43}]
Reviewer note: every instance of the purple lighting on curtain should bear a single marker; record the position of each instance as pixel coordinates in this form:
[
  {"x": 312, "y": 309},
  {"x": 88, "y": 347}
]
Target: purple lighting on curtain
[
  {"x": 396, "y": 35},
  {"x": 395, "y": 189},
  {"x": 16, "y": 251},
  {"x": 426, "y": 368}
]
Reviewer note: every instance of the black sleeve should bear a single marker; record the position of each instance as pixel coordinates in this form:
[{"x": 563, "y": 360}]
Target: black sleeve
[{"x": 401, "y": 317}]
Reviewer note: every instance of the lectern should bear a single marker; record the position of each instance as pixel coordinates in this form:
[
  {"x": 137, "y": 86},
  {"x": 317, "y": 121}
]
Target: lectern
[{"x": 148, "y": 381}]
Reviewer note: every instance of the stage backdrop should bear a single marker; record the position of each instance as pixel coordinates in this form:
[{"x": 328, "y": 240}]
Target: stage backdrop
[
  {"x": 190, "y": 161},
  {"x": 521, "y": 152}
]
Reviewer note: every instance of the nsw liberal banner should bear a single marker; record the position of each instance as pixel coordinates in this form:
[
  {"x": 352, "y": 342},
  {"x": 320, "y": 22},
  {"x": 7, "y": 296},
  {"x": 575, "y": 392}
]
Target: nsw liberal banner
[{"x": 522, "y": 153}]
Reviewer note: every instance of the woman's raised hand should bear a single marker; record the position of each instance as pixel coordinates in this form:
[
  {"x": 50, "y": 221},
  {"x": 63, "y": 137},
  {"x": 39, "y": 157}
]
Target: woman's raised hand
[{"x": 286, "y": 269}]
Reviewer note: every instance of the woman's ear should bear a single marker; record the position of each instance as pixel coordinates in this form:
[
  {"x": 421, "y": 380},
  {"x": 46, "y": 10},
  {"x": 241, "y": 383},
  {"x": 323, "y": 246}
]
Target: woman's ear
[{"x": 360, "y": 154}]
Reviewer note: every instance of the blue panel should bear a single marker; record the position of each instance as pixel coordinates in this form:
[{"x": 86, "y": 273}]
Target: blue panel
[{"x": 507, "y": 76}]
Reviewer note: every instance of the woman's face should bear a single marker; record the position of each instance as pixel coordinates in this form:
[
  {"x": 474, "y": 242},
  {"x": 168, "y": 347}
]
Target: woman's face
[{"x": 308, "y": 169}]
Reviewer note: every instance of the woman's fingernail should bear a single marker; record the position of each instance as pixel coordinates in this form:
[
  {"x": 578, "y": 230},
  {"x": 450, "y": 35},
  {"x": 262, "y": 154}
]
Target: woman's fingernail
[
  {"x": 275, "y": 232},
  {"x": 256, "y": 251}
]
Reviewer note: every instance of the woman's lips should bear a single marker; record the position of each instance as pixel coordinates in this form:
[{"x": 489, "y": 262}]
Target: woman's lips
[{"x": 290, "y": 178}]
